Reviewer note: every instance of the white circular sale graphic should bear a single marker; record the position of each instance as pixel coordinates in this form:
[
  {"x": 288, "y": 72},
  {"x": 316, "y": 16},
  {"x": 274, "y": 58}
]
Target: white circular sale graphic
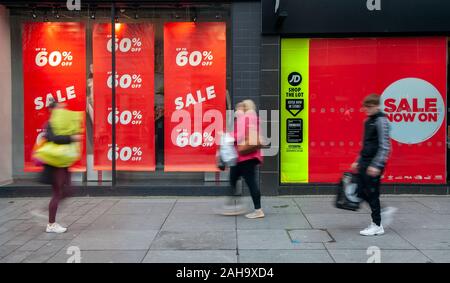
[{"x": 415, "y": 110}]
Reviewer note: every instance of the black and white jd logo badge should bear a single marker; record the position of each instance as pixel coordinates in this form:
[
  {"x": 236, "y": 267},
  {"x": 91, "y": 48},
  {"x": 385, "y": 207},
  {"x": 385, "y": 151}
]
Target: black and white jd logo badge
[{"x": 294, "y": 79}]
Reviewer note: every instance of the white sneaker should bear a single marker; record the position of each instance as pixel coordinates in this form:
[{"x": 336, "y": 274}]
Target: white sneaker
[
  {"x": 372, "y": 230},
  {"x": 258, "y": 213},
  {"x": 55, "y": 228},
  {"x": 387, "y": 215}
]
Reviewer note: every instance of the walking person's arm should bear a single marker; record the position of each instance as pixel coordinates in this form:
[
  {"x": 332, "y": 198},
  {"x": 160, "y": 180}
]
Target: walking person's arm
[
  {"x": 384, "y": 147},
  {"x": 50, "y": 136}
]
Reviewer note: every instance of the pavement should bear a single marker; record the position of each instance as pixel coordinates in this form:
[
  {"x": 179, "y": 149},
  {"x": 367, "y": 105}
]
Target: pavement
[{"x": 296, "y": 229}]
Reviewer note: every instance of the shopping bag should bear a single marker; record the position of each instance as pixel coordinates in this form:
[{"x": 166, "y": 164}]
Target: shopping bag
[
  {"x": 227, "y": 152},
  {"x": 58, "y": 155},
  {"x": 347, "y": 192},
  {"x": 252, "y": 143},
  {"x": 63, "y": 123}
]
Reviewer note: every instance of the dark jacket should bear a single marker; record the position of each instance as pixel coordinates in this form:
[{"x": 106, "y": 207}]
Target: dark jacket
[{"x": 376, "y": 143}]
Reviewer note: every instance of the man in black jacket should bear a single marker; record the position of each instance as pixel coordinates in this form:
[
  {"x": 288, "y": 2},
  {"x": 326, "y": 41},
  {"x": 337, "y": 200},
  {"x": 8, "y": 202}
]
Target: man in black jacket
[{"x": 372, "y": 160}]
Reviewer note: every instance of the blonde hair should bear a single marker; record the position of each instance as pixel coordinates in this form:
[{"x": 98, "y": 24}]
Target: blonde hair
[{"x": 249, "y": 105}]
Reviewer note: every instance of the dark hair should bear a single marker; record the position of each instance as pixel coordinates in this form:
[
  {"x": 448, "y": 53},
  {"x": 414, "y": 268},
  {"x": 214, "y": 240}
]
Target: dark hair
[{"x": 371, "y": 100}]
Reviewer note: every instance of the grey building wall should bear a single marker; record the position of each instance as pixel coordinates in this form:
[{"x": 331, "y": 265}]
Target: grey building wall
[
  {"x": 269, "y": 100},
  {"x": 17, "y": 100},
  {"x": 5, "y": 98},
  {"x": 246, "y": 42},
  {"x": 251, "y": 66}
]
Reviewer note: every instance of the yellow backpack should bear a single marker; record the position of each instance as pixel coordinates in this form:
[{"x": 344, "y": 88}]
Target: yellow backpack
[{"x": 67, "y": 123}]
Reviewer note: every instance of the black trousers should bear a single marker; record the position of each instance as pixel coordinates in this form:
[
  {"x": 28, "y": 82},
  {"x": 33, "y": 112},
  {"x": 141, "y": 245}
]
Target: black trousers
[
  {"x": 369, "y": 190},
  {"x": 247, "y": 169}
]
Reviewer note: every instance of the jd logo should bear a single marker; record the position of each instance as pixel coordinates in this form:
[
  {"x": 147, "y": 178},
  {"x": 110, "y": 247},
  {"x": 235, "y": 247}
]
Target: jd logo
[
  {"x": 373, "y": 5},
  {"x": 294, "y": 79}
]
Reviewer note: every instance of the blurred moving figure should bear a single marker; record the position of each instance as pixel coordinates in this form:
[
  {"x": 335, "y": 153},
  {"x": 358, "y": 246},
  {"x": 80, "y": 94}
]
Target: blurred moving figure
[
  {"x": 60, "y": 151},
  {"x": 248, "y": 147}
]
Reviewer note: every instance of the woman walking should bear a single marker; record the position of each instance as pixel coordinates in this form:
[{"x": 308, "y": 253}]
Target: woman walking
[
  {"x": 246, "y": 136},
  {"x": 59, "y": 177}
]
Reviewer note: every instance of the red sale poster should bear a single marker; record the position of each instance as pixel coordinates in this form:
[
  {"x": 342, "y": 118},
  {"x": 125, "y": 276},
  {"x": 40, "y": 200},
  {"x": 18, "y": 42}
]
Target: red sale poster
[
  {"x": 134, "y": 80},
  {"x": 54, "y": 68},
  {"x": 194, "y": 94},
  {"x": 409, "y": 74}
]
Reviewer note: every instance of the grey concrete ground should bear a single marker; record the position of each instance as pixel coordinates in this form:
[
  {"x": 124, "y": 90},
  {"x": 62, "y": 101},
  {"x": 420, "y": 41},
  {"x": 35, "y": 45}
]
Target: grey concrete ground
[{"x": 167, "y": 229}]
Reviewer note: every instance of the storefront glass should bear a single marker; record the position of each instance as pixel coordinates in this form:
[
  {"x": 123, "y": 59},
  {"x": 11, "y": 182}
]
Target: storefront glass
[{"x": 172, "y": 75}]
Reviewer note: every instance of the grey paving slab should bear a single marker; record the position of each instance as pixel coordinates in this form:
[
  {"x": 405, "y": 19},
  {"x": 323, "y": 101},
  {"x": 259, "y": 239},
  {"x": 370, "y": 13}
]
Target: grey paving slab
[
  {"x": 7, "y": 249},
  {"x": 351, "y": 239},
  {"x": 15, "y": 257},
  {"x": 271, "y": 240},
  {"x": 7, "y": 236},
  {"x": 310, "y": 236},
  {"x": 278, "y": 206},
  {"x": 129, "y": 222},
  {"x": 326, "y": 207},
  {"x": 302, "y": 199},
  {"x": 195, "y": 240},
  {"x": 71, "y": 234},
  {"x": 46, "y": 252},
  {"x": 421, "y": 221},
  {"x": 194, "y": 208},
  {"x": 95, "y": 213},
  {"x": 338, "y": 221},
  {"x": 441, "y": 207},
  {"x": 103, "y": 256},
  {"x": 427, "y": 239},
  {"x": 396, "y": 198},
  {"x": 10, "y": 225},
  {"x": 386, "y": 256},
  {"x": 67, "y": 220},
  {"x": 284, "y": 256},
  {"x": 22, "y": 239},
  {"x": 15, "y": 205},
  {"x": 73, "y": 231},
  {"x": 144, "y": 207},
  {"x": 438, "y": 256},
  {"x": 114, "y": 239},
  {"x": 90, "y": 217},
  {"x": 79, "y": 210},
  {"x": 23, "y": 227},
  {"x": 273, "y": 221},
  {"x": 191, "y": 256},
  {"x": 33, "y": 245},
  {"x": 410, "y": 207},
  {"x": 124, "y": 229},
  {"x": 195, "y": 222}
]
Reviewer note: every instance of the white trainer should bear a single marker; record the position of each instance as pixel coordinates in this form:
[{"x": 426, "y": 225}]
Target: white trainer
[
  {"x": 387, "y": 215},
  {"x": 258, "y": 213},
  {"x": 372, "y": 230},
  {"x": 55, "y": 228}
]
